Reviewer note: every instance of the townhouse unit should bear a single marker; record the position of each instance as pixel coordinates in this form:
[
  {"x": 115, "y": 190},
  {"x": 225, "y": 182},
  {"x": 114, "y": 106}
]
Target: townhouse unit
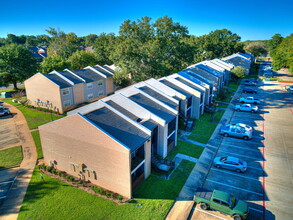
[
  {"x": 195, "y": 98},
  {"x": 224, "y": 64},
  {"x": 114, "y": 154},
  {"x": 166, "y": 116},
  {"x": 63, "y": 90},
  {"x": 211, "y": 70},
  {"x": 221, "y": 70},
  {"x": 239, "y": 60},
  {"x": 201, "y": 83},
  {"x": 248, "y": 56}
]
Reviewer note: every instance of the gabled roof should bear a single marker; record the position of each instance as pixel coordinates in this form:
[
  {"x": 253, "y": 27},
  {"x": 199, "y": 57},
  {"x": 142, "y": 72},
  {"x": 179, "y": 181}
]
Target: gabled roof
[
  {"x": 58, "y": 80},
  {"x": 210, "y": 70},
  {"x": 118, "y": 127},
  {"x": 204, "y": 74},
  {"x": 185, "y": 81},
  {"x": 153, "y": 107},
  {"x": 88, "y": 75},
  {"x": 158, "y": 96},
  {"x": 238, "y": 61},
  {"x": 109, "y": 69},
  {"x": 192, "y": 78},
  {"x": 103, "y": 71},
  {"x": 175, "y": 87},
  {"x": 199, "y": 77},
  {"x": 70, "y": 76},
  {"x": 247, "y": 55}
]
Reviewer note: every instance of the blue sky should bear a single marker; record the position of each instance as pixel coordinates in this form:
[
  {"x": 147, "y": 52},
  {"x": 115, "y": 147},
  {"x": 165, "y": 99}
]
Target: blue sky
[{"x": 251, "y": 19}]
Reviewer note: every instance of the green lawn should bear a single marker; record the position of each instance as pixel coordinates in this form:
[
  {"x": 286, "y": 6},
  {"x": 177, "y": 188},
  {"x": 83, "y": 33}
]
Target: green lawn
[
  {"x": 37, "y": 140},
  {"x": 185, "y": 148},
  {"x": 12, "y": 90},
  {"x": 204, "y": 128},
  {"x": 53, "y": 199},
  {"x": 34, "y": 118},
  {"x": 10, "y": 157},
  {"x": 233, "y": 85}
]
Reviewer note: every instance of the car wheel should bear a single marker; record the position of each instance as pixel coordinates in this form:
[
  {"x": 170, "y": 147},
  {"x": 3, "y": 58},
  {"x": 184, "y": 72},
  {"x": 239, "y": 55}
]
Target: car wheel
[
  {"x": 204, "y": 206},
  {"x": 238, "y": 170},
  {"x": 5, "y": 114},
  {"x": 226, "y": 135},
  {"x": 245, "y": 138},
  {"x": 252, "y": 111},
  {"x": 237, "y": 217},
  {"x": 218, "y": 166}
]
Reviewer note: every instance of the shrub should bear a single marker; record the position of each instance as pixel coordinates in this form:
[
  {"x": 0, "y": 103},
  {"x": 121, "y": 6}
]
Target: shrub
[
  {"x": 49, "y": 169},
  {"x": 62, "y": 175},
  {"x": 72, "y": 178},
  {"x": 59, "y": 173},
  {"x": 68, "y": 177},
  {"x": 120, "y": 197},
  {"x": 84, "y": 183},
  {"x": 79, "y": 182},
  {"x": 54, "y": 171},
  {"x": 108, "y": 194}
]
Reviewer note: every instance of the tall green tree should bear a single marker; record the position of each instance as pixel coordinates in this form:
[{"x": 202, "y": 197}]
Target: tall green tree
[
  {"x": 62, "y": 44},
  {"x": 81, "y": 59},
  {"x": 274, "y": 42},
  {"x": 104, "y": 45},
  {"x": 256, "y": 48},
  {"x": 283, "y": 54},
  {"x": 238, "y": 73},
  {"x": 90, "y": 40},
  {"x": 53, "y": 63},
  {"x": 16, "y": 64}
]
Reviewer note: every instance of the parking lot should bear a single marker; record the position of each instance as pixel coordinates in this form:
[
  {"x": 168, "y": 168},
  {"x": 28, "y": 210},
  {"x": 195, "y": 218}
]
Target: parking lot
[{"x": 267, "y": 184}]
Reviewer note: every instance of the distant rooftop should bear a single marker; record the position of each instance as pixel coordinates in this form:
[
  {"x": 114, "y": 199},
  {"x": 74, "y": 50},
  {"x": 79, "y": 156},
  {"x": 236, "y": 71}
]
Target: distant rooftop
[
  {"x": 175, "y": 87},
  {"x": 118, "y": 127}
]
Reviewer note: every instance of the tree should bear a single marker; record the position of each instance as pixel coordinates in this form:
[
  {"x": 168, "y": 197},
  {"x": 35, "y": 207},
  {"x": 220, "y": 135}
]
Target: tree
[
  {"x": 256, "y": 48},
  {"x": 90, "y": 40},
  {"x": 62, "y": 44},
  {"x": 16, "y": 64},
  {"x": 53, "y": 63},
  {"x": 81, "y": 59},
  {"x": 104, "y": 45},
  {"x": 238, "y": 73},
  {"x": 283, "y": 54}
]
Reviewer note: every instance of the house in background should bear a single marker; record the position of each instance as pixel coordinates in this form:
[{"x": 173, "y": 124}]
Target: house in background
[
  {"x": 63, "y": 90},
  {"x": 101, "y": 145},
  {"x": 39, "y": 53}
]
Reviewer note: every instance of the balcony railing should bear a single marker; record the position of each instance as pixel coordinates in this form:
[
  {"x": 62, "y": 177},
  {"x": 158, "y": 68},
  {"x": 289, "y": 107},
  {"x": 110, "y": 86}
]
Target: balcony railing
[{"x": 135, "y": 162}]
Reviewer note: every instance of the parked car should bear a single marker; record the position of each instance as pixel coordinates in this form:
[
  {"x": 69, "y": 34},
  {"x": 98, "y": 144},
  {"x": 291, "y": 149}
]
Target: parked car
[
  {"x": 246, "y": 127},
  {"x": 4, "y": 112},
  {"x": 268, "y": 74},
  {"x": 246, "y": 108},
  {"x": 236, "y": 131},
  {"x": 289, "y": 89},
  {"x": 248, "y": 90},
  {"x": 221, "y": 201},
  {"x": 230, "y": 163},
  {"x": 250, "y": 100},
  {"x": 250, "y": 83},
  {"x": 251, "y": 80}
]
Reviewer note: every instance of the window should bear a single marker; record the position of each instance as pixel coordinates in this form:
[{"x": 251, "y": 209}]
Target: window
[
  {"x": 217, "y": 201},
  {"x": 225, "y": 204},
  {"x": 67, "y": 103},
  {"x": 90, "y": 96},
  {"x": 89, "y": 85},
  {"x": 100, "y": 83},
  {"x": 101, "y": 93},
  {"x": 65, "y": 91}
]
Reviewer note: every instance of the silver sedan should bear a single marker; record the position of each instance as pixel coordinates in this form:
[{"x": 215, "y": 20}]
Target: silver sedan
[{"x": 230, "y": 163}]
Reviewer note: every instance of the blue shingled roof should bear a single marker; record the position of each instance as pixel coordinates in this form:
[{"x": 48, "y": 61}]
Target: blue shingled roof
[
  {"x": 184, "y": 81},
  {"x": 88, "y": 75},
  {"x": 71, "y": 77},
  {"x": 103, "y": 71},
  {"x": 195, "y": 75},
  {"x": 205, "y": 74},
  {"x": 175, "y": 87},
  {"x": 153, "y": 107},
  {"x": 119, "y": 128},
  {"x": 158, "y": 96},
  {"x": 210, "y": 70},
  {"x": 58, "y": 80}
]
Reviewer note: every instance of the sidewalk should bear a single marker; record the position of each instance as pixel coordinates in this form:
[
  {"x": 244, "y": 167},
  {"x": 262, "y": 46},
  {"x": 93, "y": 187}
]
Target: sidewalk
[
  {"x": 11, "y": 205},
  {"x": 202, "y": 167}
]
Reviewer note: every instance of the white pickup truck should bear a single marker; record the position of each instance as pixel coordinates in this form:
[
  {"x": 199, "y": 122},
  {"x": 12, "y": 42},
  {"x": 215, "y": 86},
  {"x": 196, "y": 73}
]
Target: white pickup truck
[{"x": 250, "y": 100}]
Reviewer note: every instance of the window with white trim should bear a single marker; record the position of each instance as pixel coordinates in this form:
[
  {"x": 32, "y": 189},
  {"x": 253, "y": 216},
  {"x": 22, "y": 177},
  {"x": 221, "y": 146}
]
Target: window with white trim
[
  {"x": 65, "y": 91},
  {"x": 89, "y": 85},
  {"x": 100, "y": 83},
  {"x": 67, "y": 103},
  {"x": 101, "y": 93},
  {"x": 90, "y": 95}
]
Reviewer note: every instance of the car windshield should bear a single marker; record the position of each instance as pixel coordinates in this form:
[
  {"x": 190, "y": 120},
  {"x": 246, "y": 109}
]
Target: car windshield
[
  {"x": 232, "y": 201},
  {"x": 241, "y": 162},
  {"x": 223, "y": 159}
]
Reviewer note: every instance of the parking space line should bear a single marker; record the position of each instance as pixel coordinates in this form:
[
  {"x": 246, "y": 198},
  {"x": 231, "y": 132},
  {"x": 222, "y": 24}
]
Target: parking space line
[
  {"x": 230, "y": 145},
  {"x": 234, "y": 187},
  {"x": 254, "y": 158},
  {"x": 257, "y": 210},
  {"x": 235, "y": 174},
  {"x": 7, "y": 182},
  {"x": 209, "y": 213}
]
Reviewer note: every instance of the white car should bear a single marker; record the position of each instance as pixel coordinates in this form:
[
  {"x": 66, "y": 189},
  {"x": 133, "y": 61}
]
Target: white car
[
  {"x": 250, "y": 100},
  {"x": 246, "y": 108}
]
